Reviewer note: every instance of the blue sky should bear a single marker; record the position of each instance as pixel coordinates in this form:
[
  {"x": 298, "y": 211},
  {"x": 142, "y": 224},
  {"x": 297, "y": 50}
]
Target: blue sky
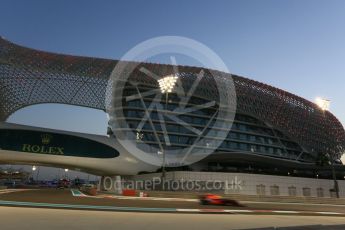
[{"x": 295, "y": 45}]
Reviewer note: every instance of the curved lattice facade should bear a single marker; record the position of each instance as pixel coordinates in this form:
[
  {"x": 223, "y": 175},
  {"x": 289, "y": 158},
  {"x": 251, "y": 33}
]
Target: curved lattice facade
[{"x": 268, "y": 120}]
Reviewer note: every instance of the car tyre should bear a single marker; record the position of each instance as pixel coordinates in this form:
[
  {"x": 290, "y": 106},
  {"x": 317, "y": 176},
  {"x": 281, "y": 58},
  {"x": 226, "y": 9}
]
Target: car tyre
[{"x": 204, "y": 202}]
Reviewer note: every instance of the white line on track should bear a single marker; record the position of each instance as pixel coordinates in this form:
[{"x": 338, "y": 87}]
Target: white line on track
[
  {"x": 4, "y": 191},
  {"x": 294, "y": 203},
  {"x": 329, "y": 213},
  {"x": 287, "y": 212}
]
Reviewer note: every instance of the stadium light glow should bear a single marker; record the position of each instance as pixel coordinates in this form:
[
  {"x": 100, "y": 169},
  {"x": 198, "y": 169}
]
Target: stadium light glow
[
  {"x": 322, "y": 103},
  {"x": 167, "y": 84}
]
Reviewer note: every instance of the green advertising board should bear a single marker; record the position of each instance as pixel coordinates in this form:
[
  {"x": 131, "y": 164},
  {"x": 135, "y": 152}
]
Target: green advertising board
[{"x": 53, "y": 144}]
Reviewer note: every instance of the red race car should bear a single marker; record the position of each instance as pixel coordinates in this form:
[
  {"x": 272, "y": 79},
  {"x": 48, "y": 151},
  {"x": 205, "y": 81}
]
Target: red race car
[{"x": 212, "y": 199}]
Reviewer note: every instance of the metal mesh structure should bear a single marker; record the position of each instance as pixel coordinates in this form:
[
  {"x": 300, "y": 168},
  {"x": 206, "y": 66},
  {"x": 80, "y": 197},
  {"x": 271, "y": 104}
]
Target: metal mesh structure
[{"x": 29, "y": 77}]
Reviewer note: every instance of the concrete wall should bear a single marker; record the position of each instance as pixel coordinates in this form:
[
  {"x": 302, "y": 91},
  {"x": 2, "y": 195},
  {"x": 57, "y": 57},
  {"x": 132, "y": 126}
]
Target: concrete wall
[{"x": 241, "y": 183}]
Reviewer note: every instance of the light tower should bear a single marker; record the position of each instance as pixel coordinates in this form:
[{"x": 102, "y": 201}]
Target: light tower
[
  {"x": 324, "y": 105},
  {"x": 166, "y": 85}
]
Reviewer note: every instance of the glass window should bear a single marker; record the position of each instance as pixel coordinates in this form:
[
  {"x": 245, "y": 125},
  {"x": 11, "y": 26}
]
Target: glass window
[
  {"x": 212, "y": 132},
  {"x": 173, "y": 138},
  {"x": 292, "y": 191},
  {"x": 132, "y": 125},
  {"x": 262, "y": 149},
  {"x": 243, "y": 127},
  {"x": 260, "y": 190},
  {"x": 222, "y": 133},
  {"x": 243, "y": 146},
  {"x": 149, "y": 137},
  {"x": 261, "y": 140},
  {"x": 173, "y": 128},
  {"x": 224, "y": 145},
  {"x": 190, "y": 140},
  {"x": 186, "y": 119},
  {"x": 171, "y": 107},
  {"x": 232, "y": 135},
  {"x": 306, "y": 191},
  {"x": 250, "y": 129},
  {"x": 233, "y": 145},
  {"x": 133, "y": 103},
  {"x": 183, "y": 139},
  {"x": 274, "y": 190},
  {"x": 200, "y": 112},
  {"x": 158, "y": 127},
  {"x": 147, "y": 127},
  {"x": 154, "y": 116},
  {"x": 319, "y": 192},
  {"x": 243, "y": 136},
  {"x": 199, "y": 121}
]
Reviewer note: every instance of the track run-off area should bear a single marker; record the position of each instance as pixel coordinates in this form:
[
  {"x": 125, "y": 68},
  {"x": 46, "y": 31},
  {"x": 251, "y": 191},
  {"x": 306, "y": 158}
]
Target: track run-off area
[
  {"x": 74, "y": 199},
  {"x": 71, "y": 209}
]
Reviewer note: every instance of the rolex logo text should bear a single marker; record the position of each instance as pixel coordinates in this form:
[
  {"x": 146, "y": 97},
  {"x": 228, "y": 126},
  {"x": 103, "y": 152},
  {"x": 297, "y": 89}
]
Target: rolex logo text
[{"x": 44, "y": 148}]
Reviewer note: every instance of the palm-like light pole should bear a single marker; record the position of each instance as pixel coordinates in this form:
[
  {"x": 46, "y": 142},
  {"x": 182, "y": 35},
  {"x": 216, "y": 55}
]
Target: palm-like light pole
[
  {"x": 166, "y": 86},
  {"x": 66, "y": 171},
  {"x": 34, "y": 168},
  {"x": 324, "y": 105}
]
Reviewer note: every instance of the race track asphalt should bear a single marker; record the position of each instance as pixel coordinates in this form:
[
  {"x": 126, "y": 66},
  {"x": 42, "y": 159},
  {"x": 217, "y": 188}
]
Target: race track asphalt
[
  {"x": 55, "y": 196},
  {"x": 14, "y": 218}
]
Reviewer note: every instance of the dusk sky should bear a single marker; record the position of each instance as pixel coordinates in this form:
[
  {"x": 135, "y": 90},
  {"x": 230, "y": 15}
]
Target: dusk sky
[{"x": 295, "y": 45}]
